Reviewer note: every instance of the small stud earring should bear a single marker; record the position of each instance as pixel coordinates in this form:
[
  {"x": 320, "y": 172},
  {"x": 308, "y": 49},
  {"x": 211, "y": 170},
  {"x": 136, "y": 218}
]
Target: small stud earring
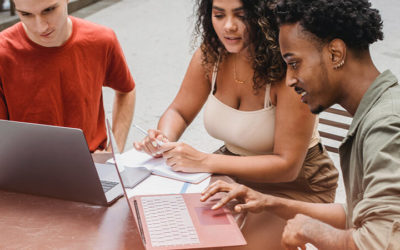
[{"x": 339, "y": 65}]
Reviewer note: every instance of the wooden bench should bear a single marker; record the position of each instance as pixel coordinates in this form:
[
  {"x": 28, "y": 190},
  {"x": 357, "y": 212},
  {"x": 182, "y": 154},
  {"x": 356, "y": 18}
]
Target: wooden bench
[
  {"x": 12, "y": 8},
  {"x": 333, "y": 126}
]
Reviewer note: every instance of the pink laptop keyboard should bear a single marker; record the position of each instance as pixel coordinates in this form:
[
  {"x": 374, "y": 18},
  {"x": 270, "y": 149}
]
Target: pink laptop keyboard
[{"x": 168, "y": 221}]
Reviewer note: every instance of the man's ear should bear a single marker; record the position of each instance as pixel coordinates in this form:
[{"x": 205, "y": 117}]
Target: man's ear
[{"x": 337, "y": 51}]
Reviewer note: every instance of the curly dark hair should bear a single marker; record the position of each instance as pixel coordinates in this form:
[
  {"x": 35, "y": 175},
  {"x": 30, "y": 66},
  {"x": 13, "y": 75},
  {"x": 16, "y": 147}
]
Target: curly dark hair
[
  {"x": 353, "y": 21},
  {"x": 260, "y": 21}
]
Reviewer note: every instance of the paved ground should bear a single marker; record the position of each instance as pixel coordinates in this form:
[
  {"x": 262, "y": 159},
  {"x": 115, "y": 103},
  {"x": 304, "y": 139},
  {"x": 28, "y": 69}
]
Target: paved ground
[
  {"x": 386, "y": 53},
  {"x": 156, "y": 38}
]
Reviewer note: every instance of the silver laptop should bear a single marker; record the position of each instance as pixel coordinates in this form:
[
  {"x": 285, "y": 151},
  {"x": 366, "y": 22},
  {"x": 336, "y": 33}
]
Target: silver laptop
[{"x": 53, "y": 161}]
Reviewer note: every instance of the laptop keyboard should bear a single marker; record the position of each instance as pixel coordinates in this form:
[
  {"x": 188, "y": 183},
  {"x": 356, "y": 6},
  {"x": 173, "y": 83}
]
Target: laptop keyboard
[
  {"x": 107, "y": 185},
  {"x": 168, "y": 221}
]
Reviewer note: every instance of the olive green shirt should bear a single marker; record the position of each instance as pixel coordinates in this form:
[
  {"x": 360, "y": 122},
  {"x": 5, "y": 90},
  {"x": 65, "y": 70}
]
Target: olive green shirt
[{"x": 370, "y": 161}]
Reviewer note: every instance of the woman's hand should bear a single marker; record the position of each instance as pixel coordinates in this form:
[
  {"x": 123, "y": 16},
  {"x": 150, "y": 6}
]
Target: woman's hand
[
  {"x": 251, "y": 200},
  {"x": 150, "y": 145},
  {"x": 184, "y": 158}
]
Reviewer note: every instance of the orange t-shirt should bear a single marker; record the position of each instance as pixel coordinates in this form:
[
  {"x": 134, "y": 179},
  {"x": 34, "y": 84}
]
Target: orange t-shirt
[{"x": 62, "y": 86}]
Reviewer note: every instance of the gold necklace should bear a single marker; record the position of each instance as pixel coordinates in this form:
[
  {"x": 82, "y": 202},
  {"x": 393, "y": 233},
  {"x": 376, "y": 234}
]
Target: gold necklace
[{"x": 235, "y": 74}]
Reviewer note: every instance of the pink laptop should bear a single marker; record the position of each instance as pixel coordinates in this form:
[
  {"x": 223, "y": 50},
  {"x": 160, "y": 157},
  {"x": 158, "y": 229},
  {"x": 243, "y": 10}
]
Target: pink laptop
[{"x": 180, "y": 221}]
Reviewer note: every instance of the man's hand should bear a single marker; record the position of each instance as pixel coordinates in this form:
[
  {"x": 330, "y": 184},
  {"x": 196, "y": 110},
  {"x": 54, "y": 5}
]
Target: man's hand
[
  {"x": 293, "y": 236},
  {"x": 250, "y": 200},
  {"x": 303, "y": 229}
]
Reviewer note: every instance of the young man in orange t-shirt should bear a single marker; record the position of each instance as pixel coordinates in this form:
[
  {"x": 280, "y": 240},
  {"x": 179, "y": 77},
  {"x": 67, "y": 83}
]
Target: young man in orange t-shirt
[{"x": 52, "y": 70}]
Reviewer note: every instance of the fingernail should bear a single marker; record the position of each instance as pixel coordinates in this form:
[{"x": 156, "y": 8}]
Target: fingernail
[
  {"x": 154, "y": 143},
  {"x": 153, "y": 154},
  {"x": 214, "y": 207}
]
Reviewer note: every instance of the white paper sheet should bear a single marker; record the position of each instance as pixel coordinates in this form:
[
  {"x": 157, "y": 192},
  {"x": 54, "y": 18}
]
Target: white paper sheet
[
  {"x": 155, "y": 184},
  {"x": 158, "y": 166},
  {"x": 160, "y": 185}
]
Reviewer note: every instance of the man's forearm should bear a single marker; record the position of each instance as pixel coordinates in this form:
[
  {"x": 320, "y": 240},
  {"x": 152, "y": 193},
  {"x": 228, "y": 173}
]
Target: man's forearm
[
  {"x": 123, "y": 109},
  {"x": 326, "y": 237},
  {"x": 333, "y": 214}
]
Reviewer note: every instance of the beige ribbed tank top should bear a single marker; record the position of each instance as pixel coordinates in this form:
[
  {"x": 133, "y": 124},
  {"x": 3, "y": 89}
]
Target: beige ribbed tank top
[{"x": 244, "y": 132}]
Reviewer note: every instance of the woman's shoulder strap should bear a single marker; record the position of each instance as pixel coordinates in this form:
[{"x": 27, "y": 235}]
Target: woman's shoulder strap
[{"x": 215, "y": 73}]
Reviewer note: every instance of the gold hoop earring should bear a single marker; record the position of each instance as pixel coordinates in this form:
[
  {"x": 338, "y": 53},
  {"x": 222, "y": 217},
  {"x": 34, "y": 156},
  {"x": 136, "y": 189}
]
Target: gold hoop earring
[{"x": 339, "y": 65}]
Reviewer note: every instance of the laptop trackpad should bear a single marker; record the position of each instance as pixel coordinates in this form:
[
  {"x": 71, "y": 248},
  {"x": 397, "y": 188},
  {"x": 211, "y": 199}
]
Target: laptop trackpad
[{"x": 211, "y": 217}]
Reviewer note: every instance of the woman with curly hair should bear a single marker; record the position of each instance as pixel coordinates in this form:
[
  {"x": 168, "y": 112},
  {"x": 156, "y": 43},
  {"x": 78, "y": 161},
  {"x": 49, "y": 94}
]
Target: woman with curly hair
[{"x": 271, "y": 141}]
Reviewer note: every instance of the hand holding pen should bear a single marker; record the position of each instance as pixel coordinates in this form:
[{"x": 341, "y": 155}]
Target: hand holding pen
[
  {"x": 179, "y": 156},
  {"x": 152, "y": 142}
]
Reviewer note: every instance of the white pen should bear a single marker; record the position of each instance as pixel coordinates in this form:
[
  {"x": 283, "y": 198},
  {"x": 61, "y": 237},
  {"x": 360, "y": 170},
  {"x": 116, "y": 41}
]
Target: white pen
[{"x": 160, "y": 143}]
